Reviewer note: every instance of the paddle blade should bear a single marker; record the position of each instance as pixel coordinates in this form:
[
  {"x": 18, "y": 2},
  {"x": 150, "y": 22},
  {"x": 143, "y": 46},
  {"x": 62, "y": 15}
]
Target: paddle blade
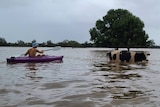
[{"x": 54, "y": 48}]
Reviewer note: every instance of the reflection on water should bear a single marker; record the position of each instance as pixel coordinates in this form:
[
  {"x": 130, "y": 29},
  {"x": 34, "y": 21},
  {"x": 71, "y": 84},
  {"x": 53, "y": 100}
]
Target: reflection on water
[
  {"x": 31, "y": 66},
  {"x": 84, "y": 78},
  {"x": 121, "y": 81}
]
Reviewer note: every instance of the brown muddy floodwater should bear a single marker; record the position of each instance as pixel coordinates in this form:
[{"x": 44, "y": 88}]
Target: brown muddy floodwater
[{"x": 85, "y": 78}]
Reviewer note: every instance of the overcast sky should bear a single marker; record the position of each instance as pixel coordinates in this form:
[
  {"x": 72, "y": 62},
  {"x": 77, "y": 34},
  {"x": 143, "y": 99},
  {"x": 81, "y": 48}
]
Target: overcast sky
[{"x": 58, "y": 20}]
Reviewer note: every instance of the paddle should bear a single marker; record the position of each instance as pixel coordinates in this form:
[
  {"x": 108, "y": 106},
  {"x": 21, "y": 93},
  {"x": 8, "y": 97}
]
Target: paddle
[{"x": 54, "y": 48}]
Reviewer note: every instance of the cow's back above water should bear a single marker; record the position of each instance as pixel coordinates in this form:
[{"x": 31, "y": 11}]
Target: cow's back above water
[{"x": 127, "y": 56}]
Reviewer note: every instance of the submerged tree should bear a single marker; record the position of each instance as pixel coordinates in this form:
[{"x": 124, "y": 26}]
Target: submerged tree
[{"x": 119, "y": 28}]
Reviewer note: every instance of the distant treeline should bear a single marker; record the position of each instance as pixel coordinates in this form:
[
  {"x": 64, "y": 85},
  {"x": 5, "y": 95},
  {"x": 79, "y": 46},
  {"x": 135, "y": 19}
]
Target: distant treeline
[{"x": 49, "y": 43}]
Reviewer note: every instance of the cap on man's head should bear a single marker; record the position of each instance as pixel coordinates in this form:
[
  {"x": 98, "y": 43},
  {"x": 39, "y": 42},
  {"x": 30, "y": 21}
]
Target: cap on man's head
[{"x": 34, "y": 44}]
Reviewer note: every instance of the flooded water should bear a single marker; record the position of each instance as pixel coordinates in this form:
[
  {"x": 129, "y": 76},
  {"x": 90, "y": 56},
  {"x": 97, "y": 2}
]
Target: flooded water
[{"x": 85, "y": 78}]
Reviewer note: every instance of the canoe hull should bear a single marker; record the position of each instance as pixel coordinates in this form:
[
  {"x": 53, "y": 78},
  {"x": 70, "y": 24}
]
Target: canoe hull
[{"x": 37, "y": 59}]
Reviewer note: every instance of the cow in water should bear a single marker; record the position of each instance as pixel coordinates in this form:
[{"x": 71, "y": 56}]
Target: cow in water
[{"x": 118, "y": 56}]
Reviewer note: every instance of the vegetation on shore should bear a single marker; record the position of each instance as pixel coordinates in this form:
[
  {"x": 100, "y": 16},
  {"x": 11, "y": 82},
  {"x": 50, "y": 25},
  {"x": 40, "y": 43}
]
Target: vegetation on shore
[{"x": 49, "y": 43}]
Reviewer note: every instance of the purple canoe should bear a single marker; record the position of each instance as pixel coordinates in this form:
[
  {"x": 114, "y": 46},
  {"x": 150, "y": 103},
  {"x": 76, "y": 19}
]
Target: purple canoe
[{"x": 24, "y": 59}]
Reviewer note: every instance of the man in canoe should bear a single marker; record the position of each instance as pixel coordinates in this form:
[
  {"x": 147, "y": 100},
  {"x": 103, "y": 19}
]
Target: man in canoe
[{"x": 32, "y": 52}]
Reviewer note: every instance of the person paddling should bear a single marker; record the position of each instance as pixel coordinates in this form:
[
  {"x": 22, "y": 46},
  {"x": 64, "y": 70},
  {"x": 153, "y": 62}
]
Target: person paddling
[{"x": 32, "y": 52}]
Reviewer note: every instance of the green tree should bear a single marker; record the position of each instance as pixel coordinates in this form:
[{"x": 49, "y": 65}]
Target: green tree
[
  {"x": 49, "y": 43},
  {"x": 150, "y": 43},
  {"x": 20, "y": 43},
  {"x": 119, "y": 28},
  {"x": 3, "y": 42},
  {"x": 69, "y": 43},
  {"x": 33, "y": 41},
  {"x": 86, "y": 44}
]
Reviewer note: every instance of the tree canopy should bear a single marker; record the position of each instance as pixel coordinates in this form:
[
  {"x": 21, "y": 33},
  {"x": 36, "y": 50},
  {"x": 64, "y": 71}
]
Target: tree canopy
[
  {"x": 3, "y": 42},
  {"x": 120, "y": 28}
]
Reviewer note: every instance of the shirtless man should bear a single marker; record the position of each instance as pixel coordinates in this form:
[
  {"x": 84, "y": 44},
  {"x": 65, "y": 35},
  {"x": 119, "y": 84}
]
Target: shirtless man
[{"x": 33, "y": 51}]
